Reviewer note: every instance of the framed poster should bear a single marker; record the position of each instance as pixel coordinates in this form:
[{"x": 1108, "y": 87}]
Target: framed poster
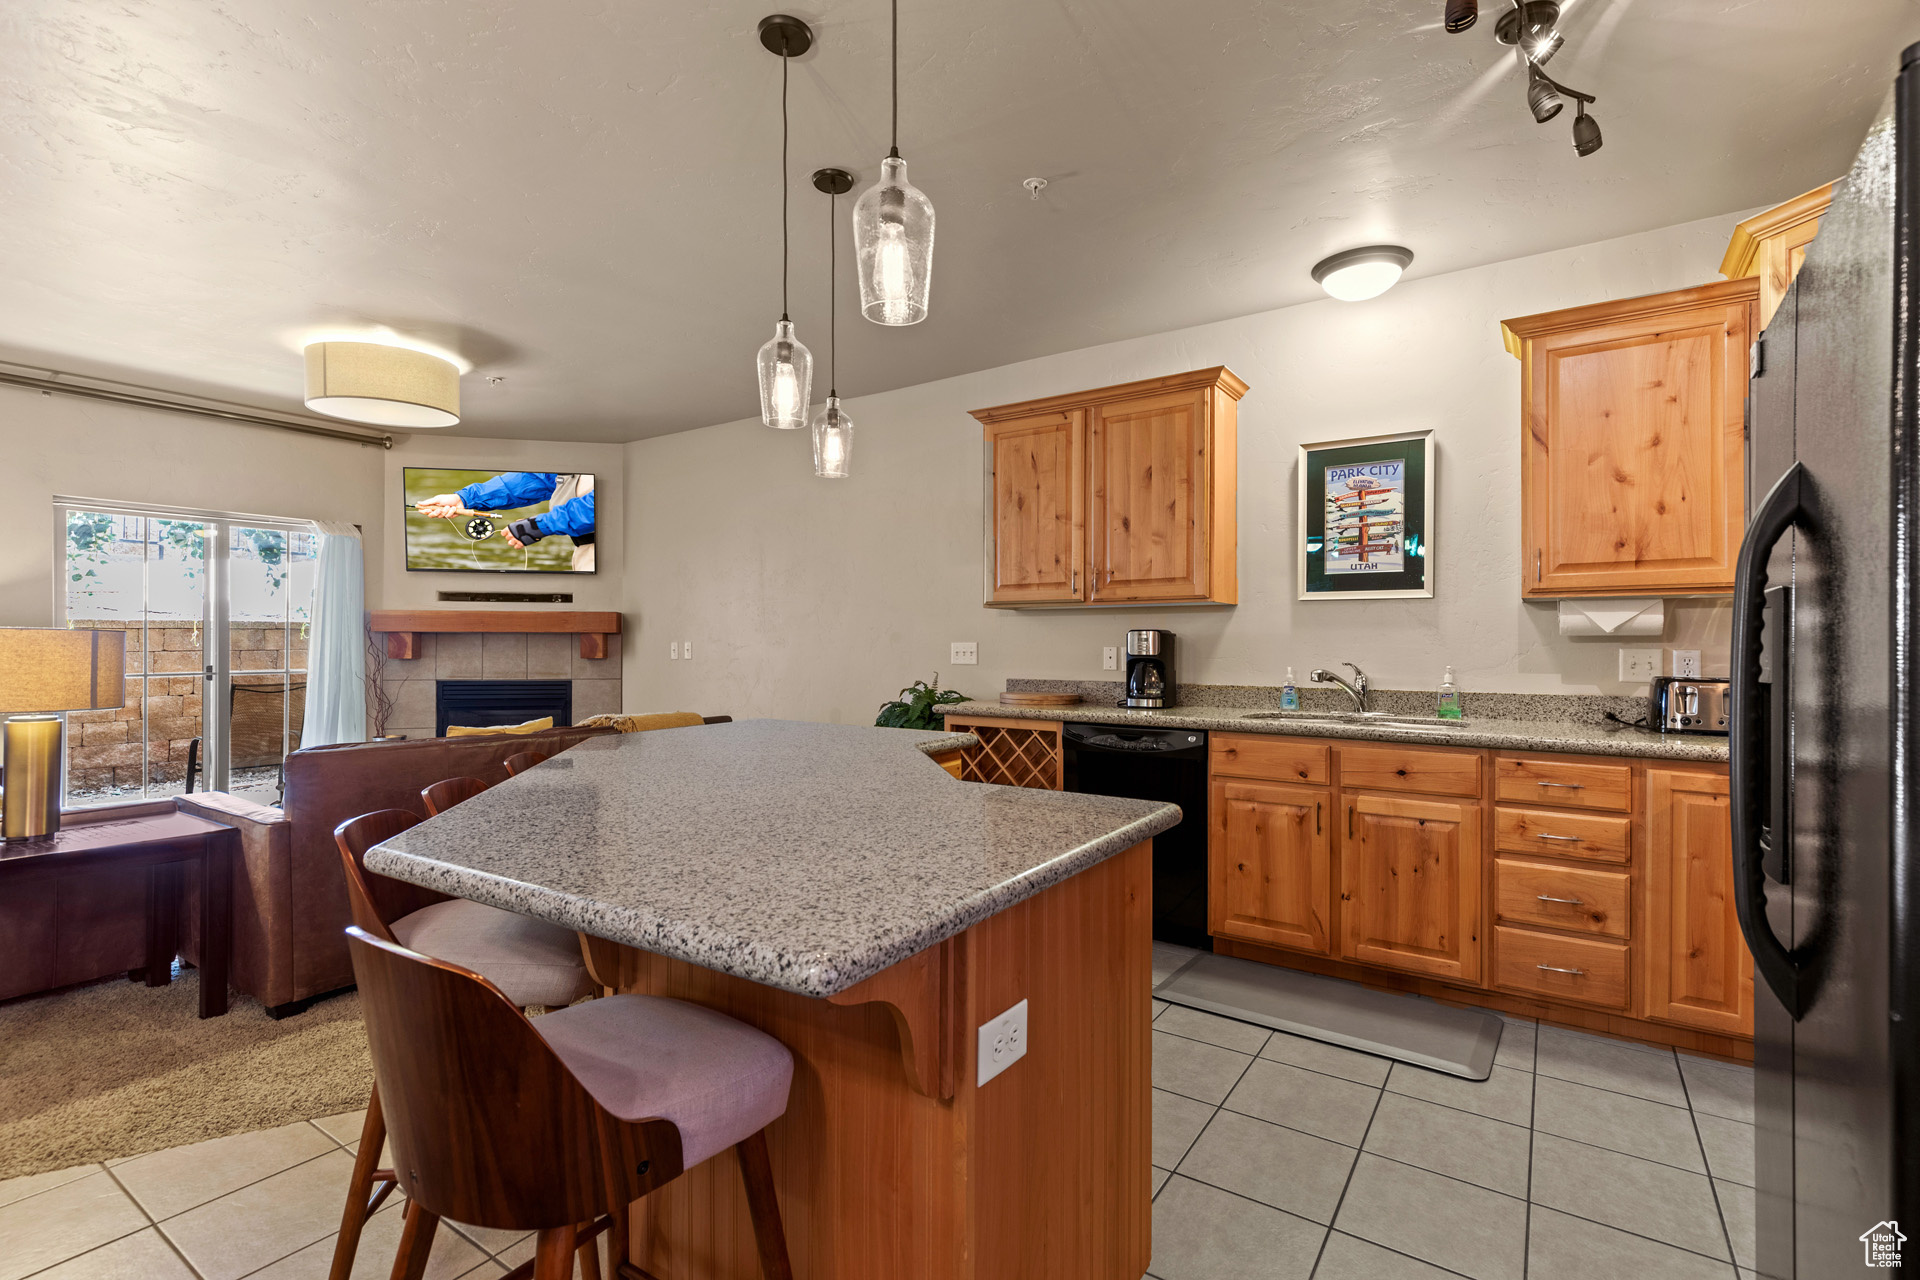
[{"x": 1366, "y": 511}]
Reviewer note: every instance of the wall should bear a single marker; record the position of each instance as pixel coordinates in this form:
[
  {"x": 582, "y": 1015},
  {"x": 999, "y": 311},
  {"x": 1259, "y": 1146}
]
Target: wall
[
  {"x": 818, "y": 599},
  {"x": 420, "y": 590},
  {"x": 81, "y": 448}
]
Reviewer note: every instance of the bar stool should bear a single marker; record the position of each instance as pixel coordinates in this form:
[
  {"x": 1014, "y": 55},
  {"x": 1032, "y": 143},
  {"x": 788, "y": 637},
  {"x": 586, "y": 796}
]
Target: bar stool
[
  {"x": 448, "y": 792},
  {"x": 532, "y": 961},
  {"x": 522, "y": 761},
  {"x": 557, "y": 1126}
]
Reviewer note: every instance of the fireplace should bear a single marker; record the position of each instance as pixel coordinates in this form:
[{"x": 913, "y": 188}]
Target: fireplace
[{"x": 479, "y": 703}]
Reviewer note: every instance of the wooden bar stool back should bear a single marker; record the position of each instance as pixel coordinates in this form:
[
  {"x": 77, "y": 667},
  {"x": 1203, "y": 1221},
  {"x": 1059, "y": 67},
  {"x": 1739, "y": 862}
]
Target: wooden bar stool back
[
  {"x": 448, "y": 792},
  {"x": 522, "y": 762},
  {"x": 492, "y": 1127}
]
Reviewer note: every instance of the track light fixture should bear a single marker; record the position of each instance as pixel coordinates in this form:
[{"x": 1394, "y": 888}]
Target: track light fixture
[{"x": 1529, "y": 26}]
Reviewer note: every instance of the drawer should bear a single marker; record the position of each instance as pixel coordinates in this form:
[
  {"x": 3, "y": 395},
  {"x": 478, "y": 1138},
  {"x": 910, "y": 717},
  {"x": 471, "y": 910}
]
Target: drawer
[
  {"x": 1267, "y": 756},
  {"x": 1582, "y": 969},
  {"x": 1562, "y": 782},
  {"x": 1576, "y": 898},
  {"x": 1593, "y": 837},
  {"x": 1396, "y": 768}
]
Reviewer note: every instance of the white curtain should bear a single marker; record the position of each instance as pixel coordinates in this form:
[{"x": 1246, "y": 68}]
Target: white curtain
[{"x": 337, "y": 649}]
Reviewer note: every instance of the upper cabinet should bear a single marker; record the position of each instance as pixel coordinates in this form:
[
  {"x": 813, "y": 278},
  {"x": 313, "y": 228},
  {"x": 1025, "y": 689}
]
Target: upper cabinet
[
  {"x": 1771, "y": 246},
  {"x": 1116, "y": 495},
  {"x": 1633, "y": 443}
]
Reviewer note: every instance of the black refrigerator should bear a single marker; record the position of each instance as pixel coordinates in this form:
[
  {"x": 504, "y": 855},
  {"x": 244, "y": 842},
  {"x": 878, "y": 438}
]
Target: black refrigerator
[{"x": 1826, "y": 723}]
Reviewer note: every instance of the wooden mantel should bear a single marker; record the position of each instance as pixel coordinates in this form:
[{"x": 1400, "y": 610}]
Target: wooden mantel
[{"x": 404, "y": 627}]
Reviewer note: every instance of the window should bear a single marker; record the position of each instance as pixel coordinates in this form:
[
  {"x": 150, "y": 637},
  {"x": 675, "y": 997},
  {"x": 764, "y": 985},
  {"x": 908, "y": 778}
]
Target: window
[{"x": 216, "y": 609}]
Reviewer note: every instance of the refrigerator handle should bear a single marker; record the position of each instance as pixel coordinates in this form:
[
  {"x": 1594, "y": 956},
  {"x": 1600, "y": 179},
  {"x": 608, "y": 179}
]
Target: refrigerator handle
[{"x": 1750, "y": 738}]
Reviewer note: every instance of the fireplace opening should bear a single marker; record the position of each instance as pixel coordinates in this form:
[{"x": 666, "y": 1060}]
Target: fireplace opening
[{"x": 479, "y": 703}]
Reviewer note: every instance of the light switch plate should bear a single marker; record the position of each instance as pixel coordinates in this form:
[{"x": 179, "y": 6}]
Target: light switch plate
[
  {"x": 1686, "y": 662},
  {"x": 686, "y": 650},
  {"x": 1110, "y": 658},
  {"x": 673, "y": 651},
  {"x": 966, "y": 653},
  {"x": 1003, "y": 1042},
  {"x": 1639, "y": 666}
]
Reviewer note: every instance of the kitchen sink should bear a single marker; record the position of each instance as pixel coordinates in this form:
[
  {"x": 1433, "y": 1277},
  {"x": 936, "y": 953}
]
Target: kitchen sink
[{"x": 1347, "y": 719}]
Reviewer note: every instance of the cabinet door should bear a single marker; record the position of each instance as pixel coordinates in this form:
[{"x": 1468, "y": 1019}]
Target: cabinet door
[
  {"x": 1698, "y": 970},
  {"x": 1632, "y": 477},
  {"x": 1039, "y": 507},
  {"x": 1270, "y": 869},
  {"x": 1148, "y": 499},
  {"x": 1410, "y": 884}
]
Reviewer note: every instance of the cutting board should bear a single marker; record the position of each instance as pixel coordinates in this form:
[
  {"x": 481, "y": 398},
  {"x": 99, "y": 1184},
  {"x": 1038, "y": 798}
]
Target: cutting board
[{"x": 1040, "y": 699}]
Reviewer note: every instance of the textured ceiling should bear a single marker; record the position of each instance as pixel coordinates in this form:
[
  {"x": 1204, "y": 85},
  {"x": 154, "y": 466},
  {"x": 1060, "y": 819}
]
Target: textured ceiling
[{"x": 581, "y": 198}]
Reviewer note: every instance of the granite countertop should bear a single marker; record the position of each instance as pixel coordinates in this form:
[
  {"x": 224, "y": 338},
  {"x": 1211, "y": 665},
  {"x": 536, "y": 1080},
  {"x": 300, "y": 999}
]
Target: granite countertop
[
  {"x": 803, "y": 856},
  {"x": 1569, "y": 735}
]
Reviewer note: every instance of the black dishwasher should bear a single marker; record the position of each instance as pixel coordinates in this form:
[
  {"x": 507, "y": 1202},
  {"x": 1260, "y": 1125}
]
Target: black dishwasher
[{"x": 1155, "y": 764}]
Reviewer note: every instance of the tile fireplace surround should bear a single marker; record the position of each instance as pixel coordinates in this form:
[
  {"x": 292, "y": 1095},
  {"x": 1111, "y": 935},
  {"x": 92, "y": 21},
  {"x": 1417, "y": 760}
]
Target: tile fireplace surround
[{"x": 498, "y": 656}]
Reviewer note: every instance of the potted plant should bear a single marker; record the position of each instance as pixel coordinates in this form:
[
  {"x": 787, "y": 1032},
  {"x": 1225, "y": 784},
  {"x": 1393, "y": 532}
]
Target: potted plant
[{"x": 915, "y": 708}]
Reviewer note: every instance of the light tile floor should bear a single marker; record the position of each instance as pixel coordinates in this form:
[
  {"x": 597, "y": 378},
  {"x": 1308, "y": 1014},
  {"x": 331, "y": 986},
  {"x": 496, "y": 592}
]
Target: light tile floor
[
  {"x": 1275, "y": 1157},
  {"x": 1582, "y": 1158}
]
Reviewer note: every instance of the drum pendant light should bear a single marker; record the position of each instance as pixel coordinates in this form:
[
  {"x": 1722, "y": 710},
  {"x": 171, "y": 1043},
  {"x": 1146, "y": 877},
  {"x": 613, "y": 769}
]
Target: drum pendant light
[
  {"x": 832, "y": 428},
  {"x": 785, "y": 366},
  {"x": 893, "y": 231}
]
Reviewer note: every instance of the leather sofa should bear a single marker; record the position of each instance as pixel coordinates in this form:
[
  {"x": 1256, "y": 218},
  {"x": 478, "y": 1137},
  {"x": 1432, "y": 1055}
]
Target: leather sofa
[{"x": 290, "y": 897}]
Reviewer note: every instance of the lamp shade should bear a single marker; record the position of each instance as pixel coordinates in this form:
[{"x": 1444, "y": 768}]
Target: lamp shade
[
  {"x": 46, "y": 669},
  {"x": 381, "y": 385}
]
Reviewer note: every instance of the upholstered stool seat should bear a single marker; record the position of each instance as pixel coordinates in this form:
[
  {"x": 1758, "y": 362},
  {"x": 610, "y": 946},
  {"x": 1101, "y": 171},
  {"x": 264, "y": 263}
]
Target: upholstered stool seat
[
  {"x": 531, "y": 961},
  {"x": 719, "y": 1081}
]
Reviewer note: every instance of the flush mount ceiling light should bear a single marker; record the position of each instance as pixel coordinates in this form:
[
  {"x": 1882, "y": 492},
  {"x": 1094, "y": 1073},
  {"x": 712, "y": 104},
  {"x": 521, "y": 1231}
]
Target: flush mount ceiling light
[
  {"x": 893, "y": 231},
  {"x": 1529, "y": 27},
  {"x": 832, "y": 428},
  {"x": 381, "y": 385},
  {"x": 785, "y": 366},
  {"x": 1358, "y": 274}
]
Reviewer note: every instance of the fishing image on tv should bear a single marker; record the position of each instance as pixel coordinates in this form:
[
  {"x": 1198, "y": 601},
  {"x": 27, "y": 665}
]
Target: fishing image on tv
[{"x": 499, "y": 521}]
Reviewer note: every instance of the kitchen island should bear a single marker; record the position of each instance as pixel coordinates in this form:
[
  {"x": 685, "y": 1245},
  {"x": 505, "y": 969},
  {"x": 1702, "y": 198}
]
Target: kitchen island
[{"x": 835, "y": 887}]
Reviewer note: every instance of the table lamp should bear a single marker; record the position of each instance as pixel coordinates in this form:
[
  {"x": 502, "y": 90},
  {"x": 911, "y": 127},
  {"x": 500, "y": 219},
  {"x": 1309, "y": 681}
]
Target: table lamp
[{"x": 45, "y": 670}]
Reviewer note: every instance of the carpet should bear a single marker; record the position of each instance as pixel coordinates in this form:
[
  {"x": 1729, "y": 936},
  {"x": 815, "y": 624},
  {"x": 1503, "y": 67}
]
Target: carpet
[{"x": 117, "y": 1069}]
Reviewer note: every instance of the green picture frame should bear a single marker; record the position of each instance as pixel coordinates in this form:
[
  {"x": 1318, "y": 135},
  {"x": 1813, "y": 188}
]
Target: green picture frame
[{"x": 1366, "y": 518}]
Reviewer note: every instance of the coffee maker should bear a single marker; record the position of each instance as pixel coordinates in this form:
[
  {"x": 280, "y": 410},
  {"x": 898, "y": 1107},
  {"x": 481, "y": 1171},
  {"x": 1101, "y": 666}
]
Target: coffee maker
[{"x": 1149, "y": 680}]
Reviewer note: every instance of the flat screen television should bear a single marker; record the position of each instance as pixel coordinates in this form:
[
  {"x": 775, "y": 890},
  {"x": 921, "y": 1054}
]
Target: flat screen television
[{"x": 499, "y": 521}]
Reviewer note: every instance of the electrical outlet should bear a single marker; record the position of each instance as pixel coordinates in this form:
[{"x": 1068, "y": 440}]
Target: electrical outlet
[
  {"x": 673, "y": 651},
  {"x": 1639, "y": 666},
  {"x": 1110, "y": 658},
  {"x": 966, "y": 653},
  {"x": 1686, "y": 662},
  {"x": 1003, "y": 1042},
  {"x": 686, "y": 650}
]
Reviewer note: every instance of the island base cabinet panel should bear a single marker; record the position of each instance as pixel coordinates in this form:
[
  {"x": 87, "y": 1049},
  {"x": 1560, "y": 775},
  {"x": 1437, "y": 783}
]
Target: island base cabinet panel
[
  {"x": 1043, "y": 1171},
  {"x": 1410, "y": 884},
  {"x": 1698, "y": 970},
  {"x": 1271, "y": 872}
]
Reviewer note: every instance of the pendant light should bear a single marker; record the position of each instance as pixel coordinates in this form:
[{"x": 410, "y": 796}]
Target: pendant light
[
  {"x": 832, "y": 428},
  {"x": 893, "y": 231},
  {"x": 786, "y": 366}
]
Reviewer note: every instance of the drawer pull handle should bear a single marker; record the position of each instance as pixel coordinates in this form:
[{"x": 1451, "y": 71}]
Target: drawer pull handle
[
  {"x": 1568, "y": 839},
  {"x": 1578, "y": 973},
  {"x": 1571, "y": 786},
  {"x": 1572, "y": 902}
]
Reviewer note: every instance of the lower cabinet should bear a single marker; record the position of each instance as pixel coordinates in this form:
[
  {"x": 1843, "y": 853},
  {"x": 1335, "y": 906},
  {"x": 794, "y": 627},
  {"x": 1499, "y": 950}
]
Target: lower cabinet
[
  {"x": 1270, "y": 874},
  {"x": 1698, "y": 970},
  {"x": 1410, "y": 885}
]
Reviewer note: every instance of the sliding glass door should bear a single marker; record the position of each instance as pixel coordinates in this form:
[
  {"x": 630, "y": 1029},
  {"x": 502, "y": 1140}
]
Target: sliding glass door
[{"x": 216, "y": 609}]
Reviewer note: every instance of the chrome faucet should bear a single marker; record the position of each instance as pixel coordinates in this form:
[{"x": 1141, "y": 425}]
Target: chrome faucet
[{"x": 1356, "y": 689}]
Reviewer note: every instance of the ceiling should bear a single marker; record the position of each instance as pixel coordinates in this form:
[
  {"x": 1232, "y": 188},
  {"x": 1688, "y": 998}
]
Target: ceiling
[{"x": 581, "y": 198}]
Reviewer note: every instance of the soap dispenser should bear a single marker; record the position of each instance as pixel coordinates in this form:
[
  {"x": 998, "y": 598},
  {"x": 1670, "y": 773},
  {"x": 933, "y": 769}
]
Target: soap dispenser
[
  {"x": 1289, "y": 694},
  {"x": 1448, "y": 704}
]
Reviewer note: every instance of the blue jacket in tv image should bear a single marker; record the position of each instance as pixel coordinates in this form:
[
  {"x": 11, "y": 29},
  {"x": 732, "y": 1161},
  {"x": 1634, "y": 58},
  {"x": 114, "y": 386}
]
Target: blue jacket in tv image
[{"x": 524, "y": 488}]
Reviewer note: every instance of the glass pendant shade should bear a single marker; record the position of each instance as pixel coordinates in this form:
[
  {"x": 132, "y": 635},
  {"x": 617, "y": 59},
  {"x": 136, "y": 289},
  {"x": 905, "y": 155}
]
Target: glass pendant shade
[
  {"x": 893, "y": 247},
  {"x": 832, "y": 441},
  {"x": 786, "y": 380}
]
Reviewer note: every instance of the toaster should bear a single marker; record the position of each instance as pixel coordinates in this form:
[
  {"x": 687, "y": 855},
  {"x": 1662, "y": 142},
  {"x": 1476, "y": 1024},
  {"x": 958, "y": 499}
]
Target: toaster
[{"x": 1687, "y": 704}]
